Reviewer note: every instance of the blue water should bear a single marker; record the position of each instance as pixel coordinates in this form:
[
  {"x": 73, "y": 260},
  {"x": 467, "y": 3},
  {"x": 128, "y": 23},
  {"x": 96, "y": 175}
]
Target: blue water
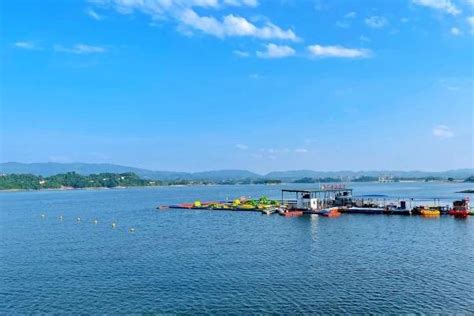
[{"x": 228, "y": 262}]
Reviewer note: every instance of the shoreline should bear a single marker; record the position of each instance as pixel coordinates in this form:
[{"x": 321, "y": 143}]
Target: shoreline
[{"x": 62, "y": 189}]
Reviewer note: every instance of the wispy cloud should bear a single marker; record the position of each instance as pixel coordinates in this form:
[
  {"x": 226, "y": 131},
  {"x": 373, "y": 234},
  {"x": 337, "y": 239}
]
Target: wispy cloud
[
  {"x": 234, "y": 26},
  {"x": 470, "y": 21},
  {"x": 455, "y": 31},
  {"x": 241, "y": 53},
  {"x": 446, "y": 6},
  {"x": 350, "y": 15},
  {"x": 338, "y": 51},
  {"x": 241, "y": 147},
  {"x": 343, "y": 24},
  {"x": 346, "y": 22},
  {"x": 319, "y": 5},
  {"x": 184, "y": 13},
  {"x": 93, "y": 14},
  {"x": 276, "y": 51},
  {"x": 25, "y": 45},
  {"x": 255, "y": 76},
  {"x": 442, "y": 132},
  {"x": 239, "y": 3},
  {"x": 301, "y": 150},
  {"x": 376, "y": 22},
  {"x": 82, "y": 49}
]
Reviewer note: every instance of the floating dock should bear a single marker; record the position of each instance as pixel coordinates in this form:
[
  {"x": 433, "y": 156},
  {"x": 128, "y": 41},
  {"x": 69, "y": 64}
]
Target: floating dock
[{"x": 330, "y": 201}]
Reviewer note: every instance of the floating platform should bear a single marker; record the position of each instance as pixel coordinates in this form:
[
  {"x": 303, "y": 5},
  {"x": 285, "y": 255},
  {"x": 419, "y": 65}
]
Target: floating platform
[
  {"x": 330, "y": 202},
  {"x": 204, "y": 208},
  {"x": 363, "y": 210},
  {"x": 398, "y": 212}
]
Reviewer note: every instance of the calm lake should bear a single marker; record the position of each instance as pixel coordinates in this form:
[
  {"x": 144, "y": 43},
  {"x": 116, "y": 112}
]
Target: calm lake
[{"x": 229, "y": 262}]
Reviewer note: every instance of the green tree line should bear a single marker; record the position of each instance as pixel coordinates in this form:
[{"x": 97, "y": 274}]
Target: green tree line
[{"x": 72, "y": 180}]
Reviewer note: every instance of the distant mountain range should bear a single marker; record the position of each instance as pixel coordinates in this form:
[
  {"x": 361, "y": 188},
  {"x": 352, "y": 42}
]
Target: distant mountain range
[
  {"x": 298, "y": 174},
  {"x": 52, "y": 168}
]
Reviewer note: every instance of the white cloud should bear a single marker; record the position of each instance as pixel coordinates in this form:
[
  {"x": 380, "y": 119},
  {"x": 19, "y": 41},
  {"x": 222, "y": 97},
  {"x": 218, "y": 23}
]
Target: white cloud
[
  {"x": 93, "y": 14},
  {"x": 376, "y": 22},
  {"x": 241, "y": 146},
  {"x": 240, "y": 3},
  {"x": 276, "y": 51},
  {"x": 446, "y": 6},
  {"x": 80, "y": 49},
  {"x": 232, "y": 25},
  {"x": 442, "y": 132},
  {"x": 455, "y": 31},
  {"x": 182, "y": 11},
  {"x": 470, "y": 2},
  {"x": 301, "y": 150},
  {"x": 338, "y": 51},
  {"x": 241, "y": 53},
  {"x": 25, "y": 45}
]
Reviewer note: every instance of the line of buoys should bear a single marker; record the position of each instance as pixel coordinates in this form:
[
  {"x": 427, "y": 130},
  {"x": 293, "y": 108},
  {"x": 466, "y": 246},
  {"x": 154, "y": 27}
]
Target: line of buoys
[{"x": 95, "y": 222}]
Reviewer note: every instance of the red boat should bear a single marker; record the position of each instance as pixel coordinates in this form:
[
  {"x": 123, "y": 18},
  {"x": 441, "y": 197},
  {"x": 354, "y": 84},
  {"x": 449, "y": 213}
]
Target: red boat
[
  {"x": 460, "y": 208},
  {"x": 459, "y": 213},
  {"x": 332, "y": 212}
]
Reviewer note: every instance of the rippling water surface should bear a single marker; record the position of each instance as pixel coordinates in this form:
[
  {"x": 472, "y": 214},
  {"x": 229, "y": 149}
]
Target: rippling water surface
[{"x": 228, "y": 262}]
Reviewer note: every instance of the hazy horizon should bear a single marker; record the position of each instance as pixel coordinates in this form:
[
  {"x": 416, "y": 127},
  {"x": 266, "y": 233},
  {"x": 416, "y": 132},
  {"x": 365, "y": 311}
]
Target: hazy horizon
[{"x": 246, "y": 169}]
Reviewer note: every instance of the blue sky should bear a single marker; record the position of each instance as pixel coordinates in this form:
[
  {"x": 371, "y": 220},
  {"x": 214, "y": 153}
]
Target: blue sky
[{"x": 253, "y": 84}]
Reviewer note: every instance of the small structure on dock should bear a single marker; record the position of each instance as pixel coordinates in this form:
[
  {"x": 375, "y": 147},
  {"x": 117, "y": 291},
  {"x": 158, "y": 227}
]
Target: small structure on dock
[{"x": 318, "y": 199}]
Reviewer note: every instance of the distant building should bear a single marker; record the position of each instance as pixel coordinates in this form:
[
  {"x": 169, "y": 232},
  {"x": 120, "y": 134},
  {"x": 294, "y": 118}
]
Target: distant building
[{"x": 386, "y": 179}]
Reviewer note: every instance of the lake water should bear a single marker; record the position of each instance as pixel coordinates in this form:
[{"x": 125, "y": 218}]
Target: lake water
[{"x": 229, "y": 262}]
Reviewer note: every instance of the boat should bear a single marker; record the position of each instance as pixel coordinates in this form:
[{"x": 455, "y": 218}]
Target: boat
[
  {"x": 397, "y": 211},
  {"x": 363, "y": 210},
  {"x": 268, "y": 211},
  {"x": 330, "y": 212},
  {"x": 430, "y": 212},
  {"x": 459, "y": 213},
  {"x": 461, "y": 209},
  {"x": 394, "y": 209},
  {"x": 291, "y": 212}
]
